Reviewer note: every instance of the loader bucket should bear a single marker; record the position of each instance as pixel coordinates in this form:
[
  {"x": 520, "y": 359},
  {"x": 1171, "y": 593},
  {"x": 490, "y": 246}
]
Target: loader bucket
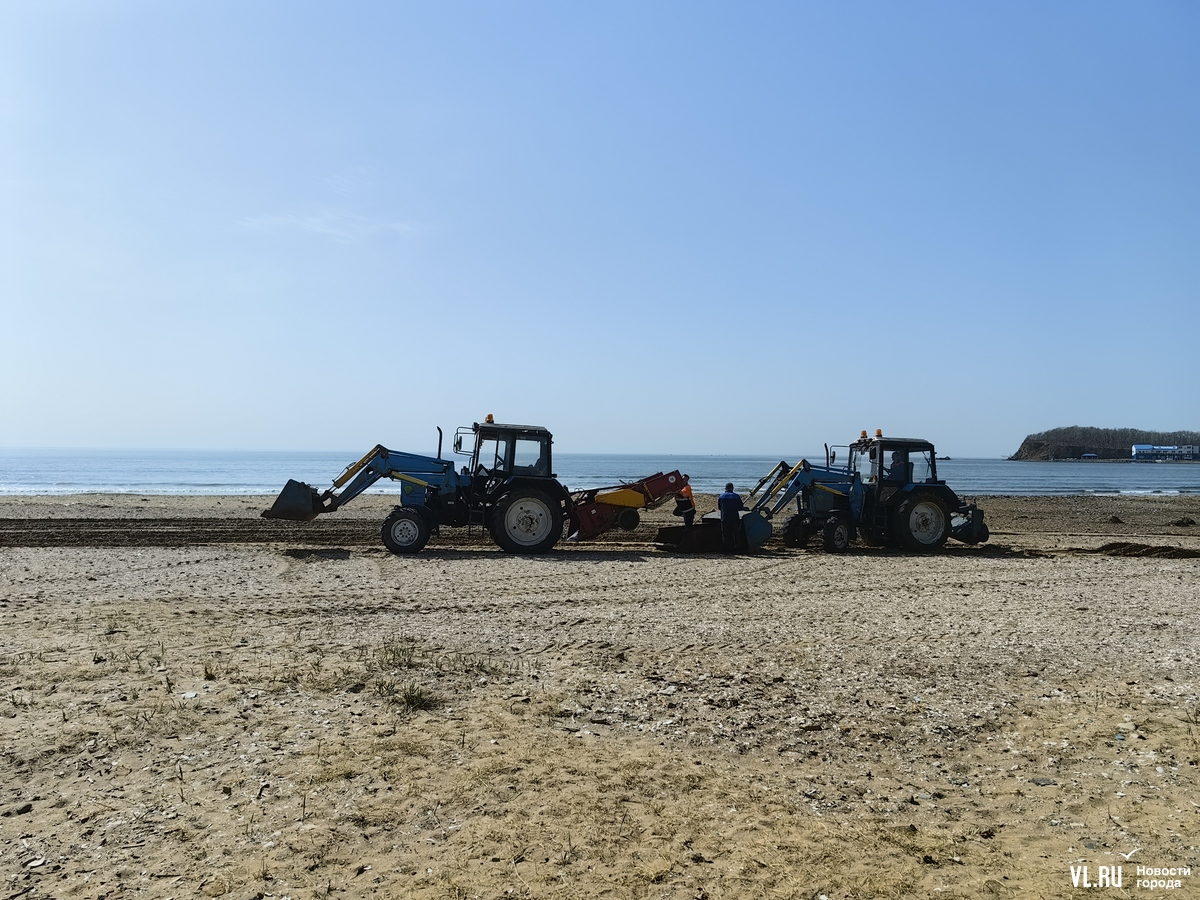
[
  {"x": 757, "y": 529},
  {"x": 705, "y": 535},
  {"x": 297, "y": 501}
]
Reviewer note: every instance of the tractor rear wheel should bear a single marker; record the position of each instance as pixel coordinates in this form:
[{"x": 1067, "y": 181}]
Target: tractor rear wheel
[
  {"x": 922, "y": 523},
  {"x": 837, "y": 534},
  {"x": 406, "y": 530},
  {"x": 526, "y": 521}
]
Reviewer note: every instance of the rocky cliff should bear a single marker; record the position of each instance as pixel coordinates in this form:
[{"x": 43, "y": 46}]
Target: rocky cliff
[{"x": 1107, "y": 443}]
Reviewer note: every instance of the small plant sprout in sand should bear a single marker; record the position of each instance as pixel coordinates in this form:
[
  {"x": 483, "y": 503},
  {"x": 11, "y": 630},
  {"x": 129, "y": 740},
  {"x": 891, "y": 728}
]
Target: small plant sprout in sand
[{"x": 410, "y": 697}]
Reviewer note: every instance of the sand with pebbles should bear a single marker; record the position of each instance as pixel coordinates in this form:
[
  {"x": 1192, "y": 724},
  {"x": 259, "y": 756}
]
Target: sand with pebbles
[{"x": 199, "y": 702}]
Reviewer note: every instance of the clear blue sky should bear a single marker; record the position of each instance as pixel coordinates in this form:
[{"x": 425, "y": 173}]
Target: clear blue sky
[{"x": 653, "y": 227}]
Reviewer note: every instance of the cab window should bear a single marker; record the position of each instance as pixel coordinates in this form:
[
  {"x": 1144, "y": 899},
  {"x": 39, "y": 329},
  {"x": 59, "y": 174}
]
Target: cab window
[
  {"x": 865, "y": 466},
  {"x": 492, "y": 454},
  {"x": 922, "y": 465},
  {"x": 530, "y": 457},
  {"x": 904, "y": 466}
]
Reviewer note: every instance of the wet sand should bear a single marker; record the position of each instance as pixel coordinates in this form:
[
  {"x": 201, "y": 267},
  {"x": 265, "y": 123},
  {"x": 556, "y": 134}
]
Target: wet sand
[{"x": 199, "y": 702}]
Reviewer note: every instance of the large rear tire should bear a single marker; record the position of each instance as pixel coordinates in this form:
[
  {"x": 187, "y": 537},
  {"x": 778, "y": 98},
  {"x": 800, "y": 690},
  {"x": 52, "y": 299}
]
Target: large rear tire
[
  {"x": 405, "y": 531},
  {"x": 922, "y": 523},
  {"x": 526, "y": 521}
]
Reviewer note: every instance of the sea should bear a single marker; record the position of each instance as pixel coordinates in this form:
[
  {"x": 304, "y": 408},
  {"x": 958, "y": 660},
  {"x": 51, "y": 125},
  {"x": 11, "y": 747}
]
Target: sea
[{"x": 29, "y": 471}]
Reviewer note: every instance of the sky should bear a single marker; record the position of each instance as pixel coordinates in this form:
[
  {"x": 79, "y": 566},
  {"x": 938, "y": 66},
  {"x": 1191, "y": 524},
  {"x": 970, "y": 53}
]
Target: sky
[{"x": 666, "y": 227}]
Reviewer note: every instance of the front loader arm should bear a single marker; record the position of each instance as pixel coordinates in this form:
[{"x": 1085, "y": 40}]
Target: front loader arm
[
  {"x": 785, "y": 487},
  {"x": 359, "y": 475},
  {"x": 301, "y": 502},
  {"x": 379, "y": 463}
]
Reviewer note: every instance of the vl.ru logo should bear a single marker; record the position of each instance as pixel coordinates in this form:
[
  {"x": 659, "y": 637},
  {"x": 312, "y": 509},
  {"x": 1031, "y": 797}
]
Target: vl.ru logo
[{"x": 1106, "y": 877}]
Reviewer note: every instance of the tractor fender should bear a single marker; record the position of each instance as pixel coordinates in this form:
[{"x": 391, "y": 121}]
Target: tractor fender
[
  {"x": 551, "y": 487},
  {"x": 427, "y": 513},
  {"x": 938, "y": 489}
]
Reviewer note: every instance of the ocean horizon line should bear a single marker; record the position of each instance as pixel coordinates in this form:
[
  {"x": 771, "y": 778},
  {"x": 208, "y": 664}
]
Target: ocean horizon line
[{"x": 352, "y": 456}]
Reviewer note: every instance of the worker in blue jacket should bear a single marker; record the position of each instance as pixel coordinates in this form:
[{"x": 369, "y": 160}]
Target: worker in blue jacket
[{"x": 730, "y": 505}]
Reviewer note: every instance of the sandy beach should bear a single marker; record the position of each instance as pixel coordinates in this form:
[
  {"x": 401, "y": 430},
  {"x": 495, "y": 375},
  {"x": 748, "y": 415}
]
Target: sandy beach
[{"x": 199, "y": 702}]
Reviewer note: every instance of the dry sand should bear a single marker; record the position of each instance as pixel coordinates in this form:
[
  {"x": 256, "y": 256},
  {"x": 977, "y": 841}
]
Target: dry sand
[{"x": 198, "y": 702}]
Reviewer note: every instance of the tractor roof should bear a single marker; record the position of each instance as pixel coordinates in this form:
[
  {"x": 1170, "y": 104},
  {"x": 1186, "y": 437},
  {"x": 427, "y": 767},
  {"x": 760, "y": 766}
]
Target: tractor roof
[
  {"x": 898, "y": 443},
  {"x": 906, "y": 443},
  {"x": 496, "y": 427}
]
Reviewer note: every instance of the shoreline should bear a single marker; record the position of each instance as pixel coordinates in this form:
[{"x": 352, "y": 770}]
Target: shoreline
[
  {"x": 1029, "y": 519},
  {"x": 222, "y": 476}
]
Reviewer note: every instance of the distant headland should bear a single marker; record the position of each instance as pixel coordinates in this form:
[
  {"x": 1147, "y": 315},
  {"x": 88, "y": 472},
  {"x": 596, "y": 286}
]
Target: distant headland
[{"x": 1078, "y": 442}]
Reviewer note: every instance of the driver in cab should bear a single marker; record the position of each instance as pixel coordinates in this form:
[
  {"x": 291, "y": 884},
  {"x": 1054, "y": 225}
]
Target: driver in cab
[{"x": 898, "y": 472}]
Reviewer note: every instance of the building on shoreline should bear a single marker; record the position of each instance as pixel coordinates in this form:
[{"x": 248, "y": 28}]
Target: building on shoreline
[{"x": 1153, "y": 453}]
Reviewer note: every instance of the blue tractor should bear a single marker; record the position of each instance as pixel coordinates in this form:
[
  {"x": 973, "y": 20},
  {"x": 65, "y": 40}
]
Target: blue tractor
[
  {"x": 887, "y": 494},
  {"x": 508, "y": 488}
]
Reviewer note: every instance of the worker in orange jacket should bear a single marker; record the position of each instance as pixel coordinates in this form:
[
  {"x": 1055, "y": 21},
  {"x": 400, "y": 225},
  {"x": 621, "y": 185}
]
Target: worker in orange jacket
[{"x": 685, "y": 505}]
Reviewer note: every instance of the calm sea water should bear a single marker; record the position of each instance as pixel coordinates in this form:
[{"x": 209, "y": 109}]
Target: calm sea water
[{"x": 245, "y": 472}]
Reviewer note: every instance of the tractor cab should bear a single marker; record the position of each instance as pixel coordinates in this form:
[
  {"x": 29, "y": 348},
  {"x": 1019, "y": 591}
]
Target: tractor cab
[
  {"x": 893, "y": 462},
  {"x": 506, "y": 451}
]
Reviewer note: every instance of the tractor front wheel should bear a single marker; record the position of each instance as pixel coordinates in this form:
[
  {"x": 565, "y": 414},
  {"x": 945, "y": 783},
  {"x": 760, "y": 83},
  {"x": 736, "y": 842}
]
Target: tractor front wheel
[
  {"x": 795, "y": 532},
  {"x": 526, "y": 521},
  {"x": 922, "y": 523},
  {"x": 405, "y": 531},
  {"x": 837, "y": 535}
]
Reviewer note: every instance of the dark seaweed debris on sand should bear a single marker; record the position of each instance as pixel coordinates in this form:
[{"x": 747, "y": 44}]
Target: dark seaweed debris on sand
[{"x": 1123, "y": 548}]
